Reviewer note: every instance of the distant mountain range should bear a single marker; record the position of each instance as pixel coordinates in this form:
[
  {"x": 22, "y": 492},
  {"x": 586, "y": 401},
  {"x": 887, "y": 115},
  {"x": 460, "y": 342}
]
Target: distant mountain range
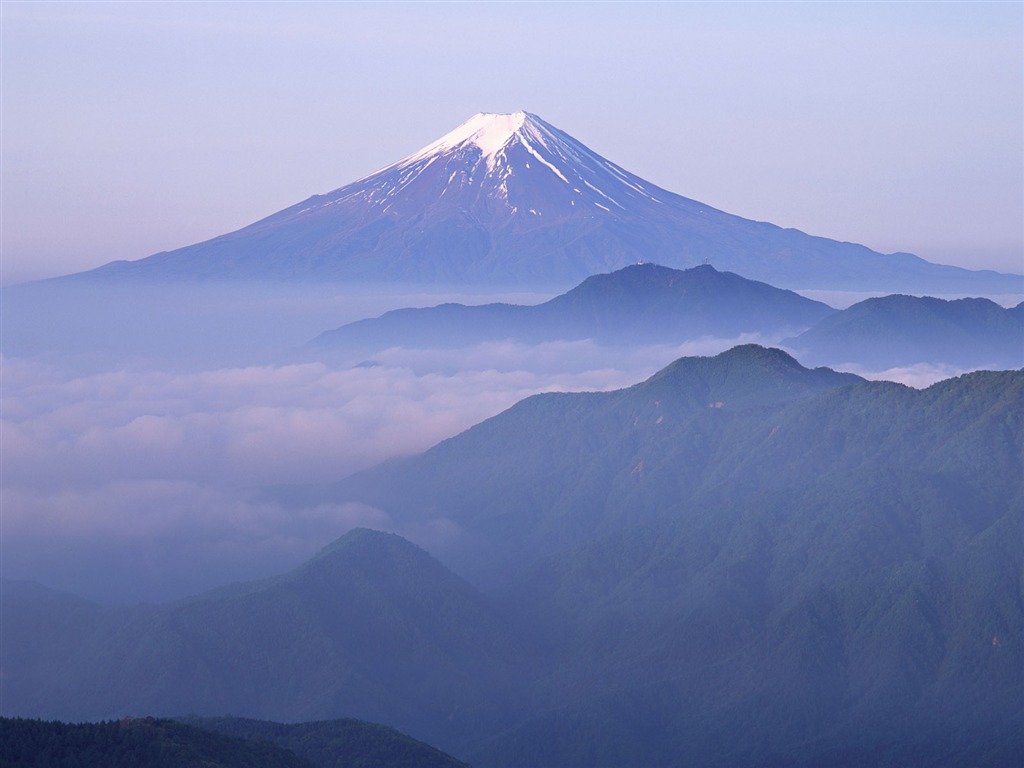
[
  {"x": 738, "y": 562},
  {"x": 651, "y": 304},
  {"x": 510, "y": 200},
  {"x": 902, "y": 330},
  {"x": 639, "y": 304}
]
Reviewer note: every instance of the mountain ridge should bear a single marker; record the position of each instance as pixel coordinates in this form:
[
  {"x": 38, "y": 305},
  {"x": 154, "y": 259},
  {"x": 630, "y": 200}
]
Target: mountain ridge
[
  {"x": 641, "y": 303},
  {"x": 890, "y": 331},
  {"x": 705, "y": 392},
  {"x": 737, "y": 562},
  {"x": 368, "y": 612}
]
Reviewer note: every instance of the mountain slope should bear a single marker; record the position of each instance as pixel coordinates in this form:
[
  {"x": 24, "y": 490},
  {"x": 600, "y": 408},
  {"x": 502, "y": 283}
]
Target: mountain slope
[
  {"x": 556, "y": 467},
  {"x": 902, "y": 330},
  {"x": 798, "y": 579},
  {"x": 508, "y": 199},
  {"x": 855, "y": 612},
  {"x": 738, "y": 562},
  {"x": 335, "y": 743},
  {"x": 133, "y": 743},
  {"x": 372, "y": 625},
  {"x": 640, "y": 303}
]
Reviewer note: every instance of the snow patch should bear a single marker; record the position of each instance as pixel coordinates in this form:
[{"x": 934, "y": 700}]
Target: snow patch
[
  {"x": 606, "y": 197},
  {"x": 534, "y": 152},
  {"x": 479, "y": 148},
  {"x": 488, "y": 132}
]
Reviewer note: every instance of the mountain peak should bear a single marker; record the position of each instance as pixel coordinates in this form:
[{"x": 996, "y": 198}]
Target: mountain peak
[
  {"x": 366, "y": 542},
  {"x": 486, "y": 130},
  {"x": 489, "y": 133},
  {"x": 745, "y": 376},
  {"x": 508, "y": 197}
]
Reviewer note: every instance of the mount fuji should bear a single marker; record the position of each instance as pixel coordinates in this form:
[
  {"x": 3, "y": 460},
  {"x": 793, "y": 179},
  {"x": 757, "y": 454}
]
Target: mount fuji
[{"x": 509, "y": 199}]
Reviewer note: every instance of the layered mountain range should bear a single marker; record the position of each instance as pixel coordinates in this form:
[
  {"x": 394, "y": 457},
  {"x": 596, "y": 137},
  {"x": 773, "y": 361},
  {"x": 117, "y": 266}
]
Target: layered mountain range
[
  {"x": 511, "y": 200},
  {"x": 650, "y": 304},
  {"x": 889, "y": 331},
  {"x": 739, "y": 561},
  {"x": 636, "y": 305}
]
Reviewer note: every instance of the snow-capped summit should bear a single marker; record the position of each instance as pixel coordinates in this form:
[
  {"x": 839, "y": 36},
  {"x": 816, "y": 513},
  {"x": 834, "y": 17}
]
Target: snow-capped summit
[
  {"x": 515, "y": 164},
  {"x": 511, "y": 200},
  {"x": 488, "y": 132},
  {"x": 494, "y": 136}
]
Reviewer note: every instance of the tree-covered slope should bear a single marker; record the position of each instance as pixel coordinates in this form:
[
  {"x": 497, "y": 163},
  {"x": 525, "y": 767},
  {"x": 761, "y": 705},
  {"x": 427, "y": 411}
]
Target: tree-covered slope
[
  {"x": 133, "y": 743},
  {"x": 883, "y": 616},
  {"x": 798, "y": 576},
  {"x": 557, "y": 468},
  {"x": 372, "y": 626},
  {"x": 336, "y": 743},
  {"x": 738, "y": 562}
]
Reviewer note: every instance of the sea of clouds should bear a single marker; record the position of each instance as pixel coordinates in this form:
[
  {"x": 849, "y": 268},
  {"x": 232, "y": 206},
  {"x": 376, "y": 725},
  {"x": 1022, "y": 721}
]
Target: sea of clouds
[
  {"x": 145, "y": 483},
  {"x": 140, "y": 477}
]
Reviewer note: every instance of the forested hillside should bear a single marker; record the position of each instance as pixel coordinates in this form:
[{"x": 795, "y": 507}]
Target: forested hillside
[
  {"x": 145, "y": 742},
  {"x": 737, "y": 562}
]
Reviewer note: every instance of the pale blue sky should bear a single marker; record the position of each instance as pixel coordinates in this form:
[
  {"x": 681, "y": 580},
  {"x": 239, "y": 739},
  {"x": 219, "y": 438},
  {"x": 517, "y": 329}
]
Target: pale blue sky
[{"x": 130, "y": 128}]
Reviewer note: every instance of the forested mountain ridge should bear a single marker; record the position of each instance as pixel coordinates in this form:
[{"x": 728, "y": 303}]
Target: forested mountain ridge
[
  {"x": 335, "y": 743},
  {"x": 561, "y": 466},
  {"x": 144, "y": 742},
  {"x": 372, "y": 626},
  {"x": 212, "y": 742},
  {"x": 737, "y": 562},
  {"x": 871, "y": 606}
]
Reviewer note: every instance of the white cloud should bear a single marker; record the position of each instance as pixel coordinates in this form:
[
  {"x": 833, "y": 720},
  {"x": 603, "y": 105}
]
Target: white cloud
[
  {"x": 919, "y": 376},
  {"x": 143, "y": 484}
]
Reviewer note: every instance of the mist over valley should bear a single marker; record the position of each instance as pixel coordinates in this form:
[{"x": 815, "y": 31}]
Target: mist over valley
[{"x": 511, "y": 450}]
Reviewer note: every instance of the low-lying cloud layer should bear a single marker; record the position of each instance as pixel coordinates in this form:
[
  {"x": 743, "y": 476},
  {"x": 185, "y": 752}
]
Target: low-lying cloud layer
[
  {"x": 143, "y": 484},
  {"x": 919, "y": 376}
]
